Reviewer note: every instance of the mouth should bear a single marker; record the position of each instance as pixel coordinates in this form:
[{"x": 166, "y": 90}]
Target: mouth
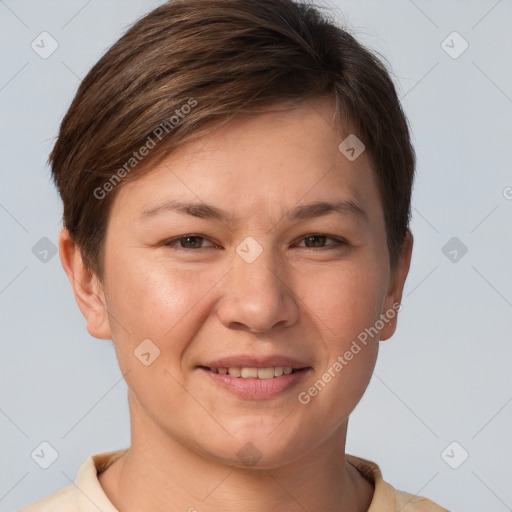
[
  {"x": 270, "y": 372},
  {"x": 254, "y": 383}
]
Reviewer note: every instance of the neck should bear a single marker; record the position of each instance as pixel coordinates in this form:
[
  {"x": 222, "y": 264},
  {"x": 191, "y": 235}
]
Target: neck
[{"x": 160, "y": 473}]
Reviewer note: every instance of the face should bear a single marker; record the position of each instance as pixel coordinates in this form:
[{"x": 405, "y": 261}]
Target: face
[{"x": 223, "y": 257}]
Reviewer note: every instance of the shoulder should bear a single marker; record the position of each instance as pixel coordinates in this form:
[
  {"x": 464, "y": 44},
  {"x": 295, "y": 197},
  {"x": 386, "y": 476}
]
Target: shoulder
[
  {"x": 85, "y": 494},
  {"x": 386, "y": 498},
  {"x": 407, "y": 502},
  {"x": 63, "y": 500}
]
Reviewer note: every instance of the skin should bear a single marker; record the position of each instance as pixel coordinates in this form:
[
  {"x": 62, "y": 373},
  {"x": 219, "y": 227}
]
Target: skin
[{"x": 298, "y": 298}]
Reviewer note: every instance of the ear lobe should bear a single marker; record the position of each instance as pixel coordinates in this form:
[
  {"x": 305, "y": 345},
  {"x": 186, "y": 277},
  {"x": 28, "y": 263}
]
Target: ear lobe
[
  {"x": 86, "y": 287},
  {"x": 394, "y": 297}
]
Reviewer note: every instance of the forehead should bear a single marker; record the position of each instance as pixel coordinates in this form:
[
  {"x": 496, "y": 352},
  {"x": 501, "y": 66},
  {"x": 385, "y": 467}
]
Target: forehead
[{"x": 260, "y": 163}]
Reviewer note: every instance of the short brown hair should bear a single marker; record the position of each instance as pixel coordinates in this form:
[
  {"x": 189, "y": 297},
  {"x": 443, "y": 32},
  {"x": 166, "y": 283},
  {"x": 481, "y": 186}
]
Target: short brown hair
[{"x": 196, "y": 61}]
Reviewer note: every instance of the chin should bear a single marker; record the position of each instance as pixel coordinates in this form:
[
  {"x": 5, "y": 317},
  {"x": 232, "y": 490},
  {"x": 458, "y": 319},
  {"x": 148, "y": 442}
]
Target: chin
[{"x": 258, "y": 450}]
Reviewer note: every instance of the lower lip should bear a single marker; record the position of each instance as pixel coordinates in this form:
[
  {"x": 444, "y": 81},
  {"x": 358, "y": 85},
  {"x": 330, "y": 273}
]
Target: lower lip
[{"x": 257, "y": 388}]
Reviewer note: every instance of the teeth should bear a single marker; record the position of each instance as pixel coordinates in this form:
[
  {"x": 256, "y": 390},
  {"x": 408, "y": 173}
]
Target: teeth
[
  {"x": 254, "y": 373},
  {"x": 249, "y": 373},
  {"x": 265, "y": 373},
  {"x": 234, "y": 372}
]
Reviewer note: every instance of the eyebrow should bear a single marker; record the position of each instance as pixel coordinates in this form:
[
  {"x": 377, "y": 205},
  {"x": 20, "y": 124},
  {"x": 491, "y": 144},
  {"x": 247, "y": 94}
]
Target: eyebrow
[{"x": 342, "y": 207}]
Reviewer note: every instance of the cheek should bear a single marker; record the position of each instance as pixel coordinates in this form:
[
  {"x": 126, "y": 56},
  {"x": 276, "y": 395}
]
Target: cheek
[
  {"x": 151, "y": 301},
  {"x": 166, "y": 307},
  {"x": 346, "y": 299},
  {"x": 346, "y": 307}
]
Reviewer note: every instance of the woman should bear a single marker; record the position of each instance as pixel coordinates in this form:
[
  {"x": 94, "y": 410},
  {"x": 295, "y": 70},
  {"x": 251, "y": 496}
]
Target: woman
[{"x": 236, "y": 180}]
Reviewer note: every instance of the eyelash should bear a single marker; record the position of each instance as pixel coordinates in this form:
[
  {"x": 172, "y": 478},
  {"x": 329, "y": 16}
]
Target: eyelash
[{"x": 170, "y": 243}]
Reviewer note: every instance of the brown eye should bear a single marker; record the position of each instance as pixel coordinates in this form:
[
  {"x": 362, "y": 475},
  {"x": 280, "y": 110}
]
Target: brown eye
[
  {"x": 319, "y": 241},
  {"x": 316, "y": 240},
  {"x": 186, "y": 242},
  {"x": 191, "y": 242}
]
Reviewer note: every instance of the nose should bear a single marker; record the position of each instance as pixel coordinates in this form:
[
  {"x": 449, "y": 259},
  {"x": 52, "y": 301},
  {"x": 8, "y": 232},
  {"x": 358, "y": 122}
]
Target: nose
[{"x": 256, "y": 296}]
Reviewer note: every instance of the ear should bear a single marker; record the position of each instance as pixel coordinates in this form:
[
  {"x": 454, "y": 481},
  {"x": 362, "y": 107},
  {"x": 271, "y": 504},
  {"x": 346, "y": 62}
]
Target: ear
[
  {"x": 86, "y": 286},
  {"x": 394, "y": 296}
]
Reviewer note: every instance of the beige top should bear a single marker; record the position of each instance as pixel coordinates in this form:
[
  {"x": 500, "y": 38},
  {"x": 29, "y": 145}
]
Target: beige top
[{"x": 87, "y": 495}]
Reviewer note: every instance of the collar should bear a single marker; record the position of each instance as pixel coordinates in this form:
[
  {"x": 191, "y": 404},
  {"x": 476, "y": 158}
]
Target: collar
[{"x": 91, "y": 497}]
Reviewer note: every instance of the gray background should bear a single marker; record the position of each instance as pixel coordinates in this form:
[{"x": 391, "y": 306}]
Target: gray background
[{"x": 444, "y": 377}]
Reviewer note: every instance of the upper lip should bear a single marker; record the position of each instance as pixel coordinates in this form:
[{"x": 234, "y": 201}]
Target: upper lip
[{"x": 254, "y": 362}]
